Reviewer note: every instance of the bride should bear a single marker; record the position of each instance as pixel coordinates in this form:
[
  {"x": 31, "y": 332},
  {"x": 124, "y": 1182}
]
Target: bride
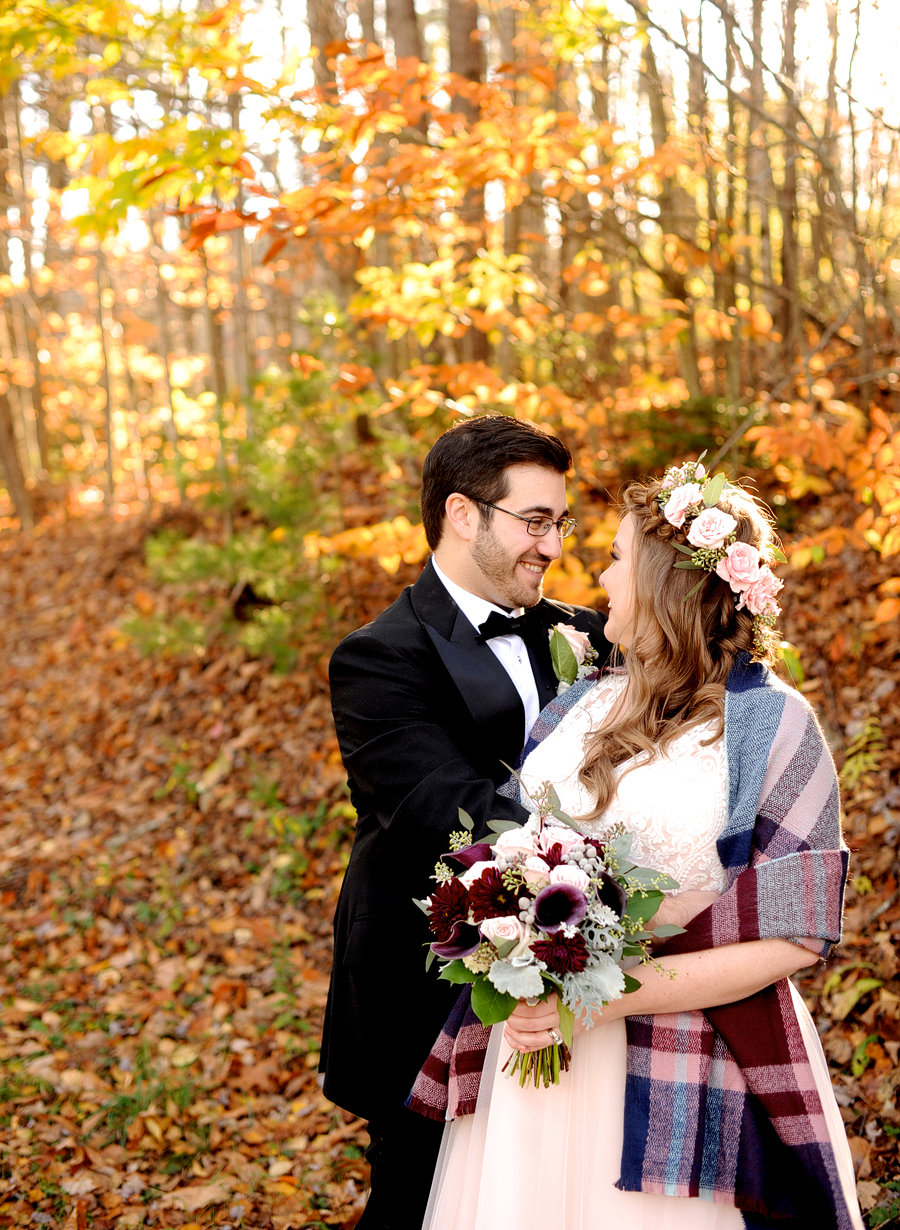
[{"x": 701, "y": 1101}]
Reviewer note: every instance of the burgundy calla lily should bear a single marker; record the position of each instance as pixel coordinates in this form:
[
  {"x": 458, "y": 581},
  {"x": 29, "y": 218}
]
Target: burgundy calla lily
[
  {"x": 479, "y": 853},
  {"x": 464, "y": 939},
  {"x": 559, "y": 905},
  {"x": 612, "y": 894}
]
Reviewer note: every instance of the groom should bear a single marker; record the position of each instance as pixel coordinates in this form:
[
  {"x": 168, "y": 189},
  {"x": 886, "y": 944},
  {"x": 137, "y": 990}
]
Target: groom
[{"x": 429, "y": 701}]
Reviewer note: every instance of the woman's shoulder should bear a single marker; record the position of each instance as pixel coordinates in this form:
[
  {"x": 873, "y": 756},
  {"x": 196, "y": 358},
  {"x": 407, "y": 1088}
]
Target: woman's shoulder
[
  {"x": 765, "y": 715},
  {"x": 754, "y": 686}
]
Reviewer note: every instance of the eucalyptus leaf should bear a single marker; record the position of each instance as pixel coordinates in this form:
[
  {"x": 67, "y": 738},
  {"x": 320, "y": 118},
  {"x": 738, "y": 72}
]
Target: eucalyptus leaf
[
  {"x": 564, "y": 819},
  {"x": 778, "y": 555},
  {"x": 429, "y": 958},
  {"x": 646, "y": 877},
  {"x": 713, "y": 492},
  {"x": 565, "y": 664},
  {"x": 502, "y": 826},
  {"x": 631, "y": 984},
  {"x": 642, "y": 908},
  {"x": 699, "y": 585},
  {"x": 679, "y": 546},
  {"x": 664, "y": 930},
  {"x": 466, "y": 820},
  {"x": 552, "y": 798},
  {"x": 686, "y": 563},
  {"x": 620, "y": 846}
]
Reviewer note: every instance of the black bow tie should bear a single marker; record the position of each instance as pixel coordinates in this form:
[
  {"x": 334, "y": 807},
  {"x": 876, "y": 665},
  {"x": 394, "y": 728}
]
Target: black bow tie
[{"x": 528, "y": 625}]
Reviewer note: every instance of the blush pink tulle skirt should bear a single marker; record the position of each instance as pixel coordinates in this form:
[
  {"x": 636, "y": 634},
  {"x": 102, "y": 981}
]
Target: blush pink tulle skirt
[{"x": 548, "y": 1159}]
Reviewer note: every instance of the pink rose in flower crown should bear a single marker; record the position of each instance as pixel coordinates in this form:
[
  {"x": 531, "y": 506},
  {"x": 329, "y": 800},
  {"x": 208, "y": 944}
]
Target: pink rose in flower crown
[
  {"x": 566, "y": 874},
  {"x": 678, "y": 503},
  {"x": 578, "y": 642},
  {"x": 759, "y": 598},
  {"x": 711, "y": 528},
  {"x": 501, "y": 929},
  {"x": 536, "y": 872},
  {"x": 740, "y": 567}
]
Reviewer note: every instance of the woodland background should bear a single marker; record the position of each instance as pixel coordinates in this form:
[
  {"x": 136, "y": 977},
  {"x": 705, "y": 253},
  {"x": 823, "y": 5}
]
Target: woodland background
[{"x": 253, "y": 260}]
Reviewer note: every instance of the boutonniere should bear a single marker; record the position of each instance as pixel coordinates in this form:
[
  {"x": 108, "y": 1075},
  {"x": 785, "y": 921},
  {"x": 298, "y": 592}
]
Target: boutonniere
[{"x": 572, "y": 654}]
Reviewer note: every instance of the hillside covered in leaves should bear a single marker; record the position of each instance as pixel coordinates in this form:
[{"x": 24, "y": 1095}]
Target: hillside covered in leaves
[{"x": 175, "y": 829}]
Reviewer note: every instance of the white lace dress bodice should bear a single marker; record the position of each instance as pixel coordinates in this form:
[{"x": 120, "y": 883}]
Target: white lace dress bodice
[{"x": 674, "y": 805}]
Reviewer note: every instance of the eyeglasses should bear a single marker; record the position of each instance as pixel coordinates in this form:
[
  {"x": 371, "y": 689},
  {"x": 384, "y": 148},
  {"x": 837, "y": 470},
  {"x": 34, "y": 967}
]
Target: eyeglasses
[{"x": 538, "y": 527}]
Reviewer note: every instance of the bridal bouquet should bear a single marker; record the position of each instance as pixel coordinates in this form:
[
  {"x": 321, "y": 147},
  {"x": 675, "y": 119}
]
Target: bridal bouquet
[{"x": 539, "y": 908}]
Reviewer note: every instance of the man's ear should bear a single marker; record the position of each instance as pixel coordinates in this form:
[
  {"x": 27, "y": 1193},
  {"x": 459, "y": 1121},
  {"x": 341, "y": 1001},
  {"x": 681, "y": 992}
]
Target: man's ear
[{"x": 463, "y": 517}]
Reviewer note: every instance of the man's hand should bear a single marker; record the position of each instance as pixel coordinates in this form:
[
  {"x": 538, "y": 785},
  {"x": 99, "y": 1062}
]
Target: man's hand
[
  {"x": 680, "y": 908},
  {"x": 528, "y": 1029}
]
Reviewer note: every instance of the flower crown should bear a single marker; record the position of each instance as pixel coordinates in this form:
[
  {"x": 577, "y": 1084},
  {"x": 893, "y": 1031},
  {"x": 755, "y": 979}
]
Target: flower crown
[{"x": 688, "y": 500}]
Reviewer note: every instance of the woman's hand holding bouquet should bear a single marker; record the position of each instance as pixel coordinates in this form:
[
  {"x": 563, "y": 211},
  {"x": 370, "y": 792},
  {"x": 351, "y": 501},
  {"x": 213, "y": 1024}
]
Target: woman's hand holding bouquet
[{"x": 542, "y": 910}]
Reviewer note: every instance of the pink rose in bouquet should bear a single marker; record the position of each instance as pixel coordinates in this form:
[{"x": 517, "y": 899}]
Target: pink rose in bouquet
[
  {"x": 740, "y": 567},
  {"x": 535, "y": 872},
  {"x": 566, "y": 839},
  {"x": 564, "y": 874},
  {"x": 501, "y": 929},
  {"x": 678, "y": 503},
  {"x": 711, "y": 528},
  {"x": 516, "y": 843}
]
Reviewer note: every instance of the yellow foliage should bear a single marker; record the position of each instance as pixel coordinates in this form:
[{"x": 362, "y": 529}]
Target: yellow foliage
[{"x": 569, "y": 581}]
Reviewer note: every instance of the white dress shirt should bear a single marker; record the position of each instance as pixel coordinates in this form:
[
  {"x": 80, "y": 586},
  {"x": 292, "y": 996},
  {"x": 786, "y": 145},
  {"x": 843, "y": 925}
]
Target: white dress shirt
[{"x": 510, "y": 651}]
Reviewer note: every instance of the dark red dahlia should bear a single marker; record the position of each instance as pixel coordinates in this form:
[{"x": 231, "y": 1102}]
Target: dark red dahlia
[
  {"x": 554, "y": 856},
  {"x": 489, "y": 898},
  {"x": 562, "y": 954},
  {"x": 448, "y": 907}
]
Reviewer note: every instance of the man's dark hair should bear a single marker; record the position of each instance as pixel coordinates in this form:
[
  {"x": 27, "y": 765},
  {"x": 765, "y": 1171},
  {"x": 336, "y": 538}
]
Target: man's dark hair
[{"x": 473, "y": 457}]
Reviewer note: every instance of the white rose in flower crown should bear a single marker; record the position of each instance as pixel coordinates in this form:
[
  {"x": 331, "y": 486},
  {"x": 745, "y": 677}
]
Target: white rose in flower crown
[
  {"x": 502, "y": 929},
  {"x": 516, "y": 843},
  {"x": 579, "y": 642},
  {"x": 536, "y": 872},
  {"x": 566, "y": 874},
  {"x": 557, "y": 835},
  {"x": 678, "y": 503},
  {"x": 711, "y": 528},
  {"x": 475, "y": 872}
]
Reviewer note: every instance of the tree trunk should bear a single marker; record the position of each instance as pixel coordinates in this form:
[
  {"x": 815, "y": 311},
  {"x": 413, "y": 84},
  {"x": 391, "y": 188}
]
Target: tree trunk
[
  {"x": 105, "y": 379},
  {"x": 790, "y": 315},
  {"x": 467, "y": 60},
  {"x": 403, "y": 29},
  {"x": 760, "y": 184},
  {"x": 673, "y": 204},
  {"x": 11, "y": 467}
]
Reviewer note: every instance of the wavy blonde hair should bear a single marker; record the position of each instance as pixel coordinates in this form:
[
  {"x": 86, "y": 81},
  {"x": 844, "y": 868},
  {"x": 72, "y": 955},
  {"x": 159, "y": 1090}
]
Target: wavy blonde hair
[{"x": 683, "y": 647}]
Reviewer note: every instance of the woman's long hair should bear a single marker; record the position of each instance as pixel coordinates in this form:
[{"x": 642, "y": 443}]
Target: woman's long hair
[{"x": 683, "y": 647}]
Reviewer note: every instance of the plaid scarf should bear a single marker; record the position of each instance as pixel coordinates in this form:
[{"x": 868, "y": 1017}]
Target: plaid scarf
[{"x": 722, "y": 1104}]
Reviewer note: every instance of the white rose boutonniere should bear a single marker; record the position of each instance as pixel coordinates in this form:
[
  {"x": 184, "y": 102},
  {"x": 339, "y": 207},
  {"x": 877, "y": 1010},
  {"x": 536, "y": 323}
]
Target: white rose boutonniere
[{"x": 572, "y": 654}]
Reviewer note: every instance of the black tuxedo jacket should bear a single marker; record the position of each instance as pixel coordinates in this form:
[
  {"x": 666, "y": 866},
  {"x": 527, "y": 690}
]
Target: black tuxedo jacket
[{"x": 425, "y": 716}]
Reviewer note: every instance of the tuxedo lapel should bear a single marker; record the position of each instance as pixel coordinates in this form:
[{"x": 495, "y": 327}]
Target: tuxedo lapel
[{"x": 489, "y": 693}]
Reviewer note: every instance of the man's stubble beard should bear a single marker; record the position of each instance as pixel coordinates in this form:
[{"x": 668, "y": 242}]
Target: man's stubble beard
[{"x": 499, "y": 565}]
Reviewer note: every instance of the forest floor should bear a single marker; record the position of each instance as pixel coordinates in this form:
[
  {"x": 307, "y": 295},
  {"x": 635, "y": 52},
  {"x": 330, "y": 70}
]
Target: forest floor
[{"x": 173, "y": 837}]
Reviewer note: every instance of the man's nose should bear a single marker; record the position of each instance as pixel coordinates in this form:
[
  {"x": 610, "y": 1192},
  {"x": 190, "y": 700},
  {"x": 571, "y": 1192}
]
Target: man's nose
[{"x": 550, "y": 545}]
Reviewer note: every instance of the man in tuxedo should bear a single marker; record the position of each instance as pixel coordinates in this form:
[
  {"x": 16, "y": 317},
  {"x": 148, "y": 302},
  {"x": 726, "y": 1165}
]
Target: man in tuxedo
[{"x": 429, "y": 702}]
